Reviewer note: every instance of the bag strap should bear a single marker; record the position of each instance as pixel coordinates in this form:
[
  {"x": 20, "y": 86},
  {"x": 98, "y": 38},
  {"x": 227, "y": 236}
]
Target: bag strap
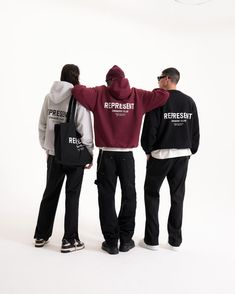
[{"x": 71, "y": 110}]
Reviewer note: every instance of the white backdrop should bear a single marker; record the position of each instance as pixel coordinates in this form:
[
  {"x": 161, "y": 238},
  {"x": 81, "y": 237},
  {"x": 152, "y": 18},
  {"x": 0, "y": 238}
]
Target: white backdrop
[{"x": 143, "y": 38}]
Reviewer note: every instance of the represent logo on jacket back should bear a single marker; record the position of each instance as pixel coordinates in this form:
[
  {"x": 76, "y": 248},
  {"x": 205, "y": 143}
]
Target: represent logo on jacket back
[{"x": 178, "y": 118}]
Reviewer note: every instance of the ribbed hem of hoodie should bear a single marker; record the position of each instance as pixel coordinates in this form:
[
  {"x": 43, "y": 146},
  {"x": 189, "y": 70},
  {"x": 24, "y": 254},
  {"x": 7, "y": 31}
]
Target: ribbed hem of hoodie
[{"x": 116, "y": 149}]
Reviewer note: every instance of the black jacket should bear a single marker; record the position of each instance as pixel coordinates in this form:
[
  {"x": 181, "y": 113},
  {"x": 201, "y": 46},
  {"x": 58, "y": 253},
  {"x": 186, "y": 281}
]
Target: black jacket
[{"x": 174, "y": 125}]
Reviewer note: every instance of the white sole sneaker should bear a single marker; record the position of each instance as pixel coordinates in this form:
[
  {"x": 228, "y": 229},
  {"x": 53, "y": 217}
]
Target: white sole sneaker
[
  {"x": 150, "y": 247},
  {"x": 173, "y": 248},
  {"x": 40, "y": 243},
  {"x": 63, "y": 250},
  {"x": 66, "y": 248}
]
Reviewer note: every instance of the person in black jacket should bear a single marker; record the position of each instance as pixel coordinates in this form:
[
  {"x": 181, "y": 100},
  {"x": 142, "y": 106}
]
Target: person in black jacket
[{"x": 170, "y": 136}]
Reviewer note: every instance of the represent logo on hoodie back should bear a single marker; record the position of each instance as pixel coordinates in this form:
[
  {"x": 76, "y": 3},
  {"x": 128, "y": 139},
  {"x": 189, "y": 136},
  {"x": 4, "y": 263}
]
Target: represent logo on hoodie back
[{"x": 120, "y": 109}]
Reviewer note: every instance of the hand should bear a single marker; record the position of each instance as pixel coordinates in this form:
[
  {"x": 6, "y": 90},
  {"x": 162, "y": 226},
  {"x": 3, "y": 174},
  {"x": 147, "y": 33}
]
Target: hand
[{"x": 88, "y": 166}]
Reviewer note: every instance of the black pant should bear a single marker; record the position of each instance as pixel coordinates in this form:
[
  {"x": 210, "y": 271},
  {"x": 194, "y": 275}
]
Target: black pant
[
  {"x": 175, "y": 169},
  {"x": 110, "y": 165},
  {"x": 55, "y": 177}
]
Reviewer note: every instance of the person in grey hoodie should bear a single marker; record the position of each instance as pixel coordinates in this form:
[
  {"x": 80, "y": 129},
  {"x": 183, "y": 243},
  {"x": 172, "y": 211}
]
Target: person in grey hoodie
[{"x": 53, "y": 112}]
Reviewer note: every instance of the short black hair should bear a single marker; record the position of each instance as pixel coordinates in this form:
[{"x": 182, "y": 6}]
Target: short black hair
[
  {"x": 70, "y": 73},
  {"x": 172, "y": 73}
]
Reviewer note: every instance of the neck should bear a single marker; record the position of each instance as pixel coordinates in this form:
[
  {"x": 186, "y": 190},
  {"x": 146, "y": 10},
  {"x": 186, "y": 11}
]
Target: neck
[{"x": 171, "y": 87}]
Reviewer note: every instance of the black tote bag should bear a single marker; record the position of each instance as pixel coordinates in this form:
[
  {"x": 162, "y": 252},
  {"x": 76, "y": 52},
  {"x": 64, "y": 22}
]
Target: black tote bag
[{"x": 69, "y": 149}]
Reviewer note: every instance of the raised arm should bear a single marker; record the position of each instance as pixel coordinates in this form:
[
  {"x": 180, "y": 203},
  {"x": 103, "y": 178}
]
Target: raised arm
[
  {"x": 85, "y": 96},
  {"x": 154, "y": 99}
]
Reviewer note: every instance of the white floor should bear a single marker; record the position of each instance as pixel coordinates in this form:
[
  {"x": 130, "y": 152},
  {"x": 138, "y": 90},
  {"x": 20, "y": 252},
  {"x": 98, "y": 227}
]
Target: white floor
[{"x": 204, "y": 264}]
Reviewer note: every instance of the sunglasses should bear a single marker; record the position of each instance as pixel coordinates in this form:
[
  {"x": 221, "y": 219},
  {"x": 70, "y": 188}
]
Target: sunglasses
[{"x": 160, "y": 77}]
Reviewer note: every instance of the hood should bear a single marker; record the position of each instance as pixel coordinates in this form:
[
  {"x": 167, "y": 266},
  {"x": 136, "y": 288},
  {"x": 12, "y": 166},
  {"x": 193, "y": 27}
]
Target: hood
[
  {"x": 120, "y": 88},
  {"x": 114, "y": 73},
  {"x": 60, "y": 91}
]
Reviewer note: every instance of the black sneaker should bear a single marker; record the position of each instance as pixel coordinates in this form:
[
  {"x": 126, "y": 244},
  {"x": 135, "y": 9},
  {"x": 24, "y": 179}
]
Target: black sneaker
[
  {"x": 70, "y": 247},
  {"x": 109, "y": 249},
  {"x": 124, "y": 247},
  {"x": 40, "y": 242}
]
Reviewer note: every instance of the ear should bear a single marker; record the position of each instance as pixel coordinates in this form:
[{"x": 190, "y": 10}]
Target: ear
[{"x": 168, "y": 80}]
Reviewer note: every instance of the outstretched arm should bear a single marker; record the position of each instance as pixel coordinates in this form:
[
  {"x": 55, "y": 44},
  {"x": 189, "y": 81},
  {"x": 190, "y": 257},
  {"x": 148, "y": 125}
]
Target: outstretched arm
[
  {"x": 154, "y": 99},
  {"x": 85, "y": 96}
]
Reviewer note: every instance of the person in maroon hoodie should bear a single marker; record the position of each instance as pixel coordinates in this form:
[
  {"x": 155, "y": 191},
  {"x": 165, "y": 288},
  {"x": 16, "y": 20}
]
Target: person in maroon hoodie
[{"x": 118, "y": 111}]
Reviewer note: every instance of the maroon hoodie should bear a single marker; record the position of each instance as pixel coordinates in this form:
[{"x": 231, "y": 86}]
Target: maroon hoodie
[{"x": 118, "y": 111}]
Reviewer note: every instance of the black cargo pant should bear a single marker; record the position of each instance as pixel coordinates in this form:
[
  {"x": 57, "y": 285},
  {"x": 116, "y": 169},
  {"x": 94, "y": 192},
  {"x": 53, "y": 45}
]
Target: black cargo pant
[
  {"x": 175, "y": 170},
  {"x": 110, "y": 165},
  {"x": 55, "y": 177}
]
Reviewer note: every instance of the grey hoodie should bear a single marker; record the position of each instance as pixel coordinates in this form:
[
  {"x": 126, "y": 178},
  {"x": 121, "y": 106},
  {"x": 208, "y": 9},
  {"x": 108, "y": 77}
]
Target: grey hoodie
[{"x": 54, "y": 111}]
